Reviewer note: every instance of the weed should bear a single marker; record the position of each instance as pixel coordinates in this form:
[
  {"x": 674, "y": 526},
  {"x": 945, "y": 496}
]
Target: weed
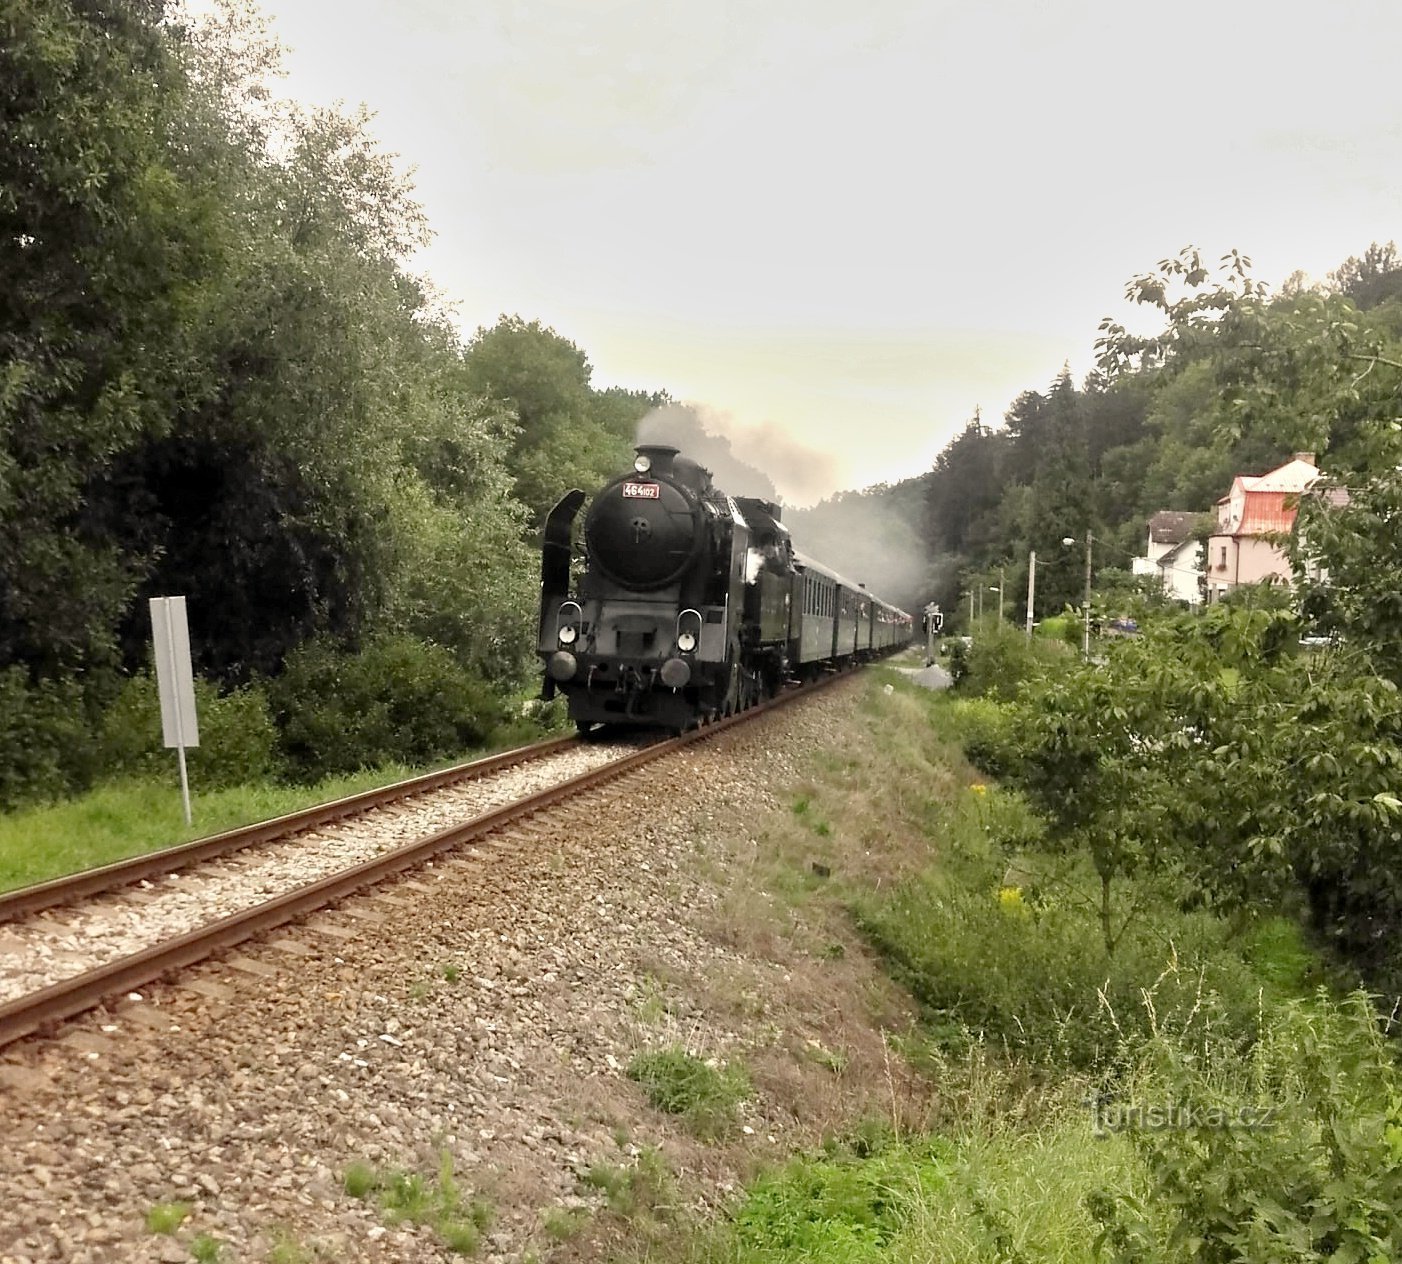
[
  {"x": 450, "y": 972},
  {"x": 437, "y": 1202},
  {"x": 642, "y": 1190},
  {"x": 206, "y": 1249},
  {"x": 680, "y": 1083},
  {"x": 166, "y": 1217},
  {"x": 650, "y": 1001},
  {"x": 562, "y": 1223},
  {"x": 360, "y": 1180},
  {"x": 287, "y": 1250},
  {"x": 419, "y": 991},
  {"x": 836, "y": 1062}
]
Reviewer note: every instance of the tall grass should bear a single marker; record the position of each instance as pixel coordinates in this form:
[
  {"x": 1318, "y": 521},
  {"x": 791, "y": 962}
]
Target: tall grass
[{"x": 129, "y": 817}]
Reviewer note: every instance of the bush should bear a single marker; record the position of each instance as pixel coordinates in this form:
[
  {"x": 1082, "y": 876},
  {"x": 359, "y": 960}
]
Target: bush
[
  {"x": 1065, "y": 629},
  {"x": 987, "y": 730},
  {"x": 1028, "y": 971},
  {"x": 47, "y": 748},
  {"x": 682, "y": 1084},
  {"x": 1292, "y": 1155},
  {"x": 238, "y": 740},
  {"x": 1001, "y": 658},
  {"x": 397, "y": 700}
]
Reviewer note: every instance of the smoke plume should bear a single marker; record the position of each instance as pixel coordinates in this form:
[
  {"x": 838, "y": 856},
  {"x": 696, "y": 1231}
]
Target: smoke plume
[{"x": 745, "y": 460}]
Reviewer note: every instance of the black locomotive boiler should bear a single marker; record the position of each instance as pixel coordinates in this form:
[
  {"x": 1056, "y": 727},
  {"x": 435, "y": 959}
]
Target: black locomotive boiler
[{"x": 691, "y": 604}]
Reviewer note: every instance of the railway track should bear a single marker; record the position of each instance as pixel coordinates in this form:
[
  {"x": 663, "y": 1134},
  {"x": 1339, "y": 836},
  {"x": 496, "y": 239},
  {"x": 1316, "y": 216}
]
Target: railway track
[{"x": 69, "y": 945}]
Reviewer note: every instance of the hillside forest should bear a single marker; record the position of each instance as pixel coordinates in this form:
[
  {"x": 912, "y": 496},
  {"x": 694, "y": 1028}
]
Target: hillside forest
[{"x": 220, "y": 377}]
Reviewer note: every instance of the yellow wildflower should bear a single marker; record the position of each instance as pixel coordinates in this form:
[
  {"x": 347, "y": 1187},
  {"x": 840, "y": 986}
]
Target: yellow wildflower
[
  {"x": 979, "y": 789},
  {"x": 1010, "y": 901}
]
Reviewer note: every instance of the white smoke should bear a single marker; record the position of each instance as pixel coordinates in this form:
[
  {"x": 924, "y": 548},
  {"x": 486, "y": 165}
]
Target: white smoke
[{"x": 745, "y": 460}]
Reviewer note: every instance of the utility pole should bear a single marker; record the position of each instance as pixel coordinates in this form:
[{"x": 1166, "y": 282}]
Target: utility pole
[
  {"x": 1090, "y": 539},
  {"x": 971, "y": 611},
  {"x": 1031, "y": 588},
  {"x": 1000, "y": 594}
]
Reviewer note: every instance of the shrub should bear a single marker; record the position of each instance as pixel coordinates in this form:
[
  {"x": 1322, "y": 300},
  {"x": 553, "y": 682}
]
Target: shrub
[
  {"x": 1294, "y": 1154},
  {"x": 1031, "y": 974},
  {"x": 47, "y": 748},
  {"x": 987, "y": 729},
  {"x": 682, "y": 1084},
  {"x": 1001, "y": 659},
  {"x": 238, "y": 740},
  {"x": 1065, "y": 628},
  {"x": 397, "y": 700}
]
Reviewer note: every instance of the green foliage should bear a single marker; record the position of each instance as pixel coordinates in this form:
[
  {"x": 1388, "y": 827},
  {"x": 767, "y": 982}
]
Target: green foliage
[
  {"x": 437, "y": 1202},
  {"x": 1301, "y": 1159},
  {"x": 166, "y": 1218},
  {"x": 397, "y": 699},
  {"x": 680, "y": 1083},
  {"x": 126, "y": 818},
  {"x": 988, "y": 730},
  {"x": 568, "y": 435},
  {"x": 1031, "y": 976},
  {"x": 238, "y": 739},
  {"x": 1065, "y": 627},
  {"x": 837, "y": 1209},
  {"x": 46, "y": 744},
  {"x": 643, "y": 1191},
  {"x": 1002, "y": 658}
]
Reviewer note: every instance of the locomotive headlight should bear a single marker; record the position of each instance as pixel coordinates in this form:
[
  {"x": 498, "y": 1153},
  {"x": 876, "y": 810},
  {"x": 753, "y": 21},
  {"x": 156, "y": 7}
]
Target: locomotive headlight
[
  {"x": 686, "y": 642},
  {"x": 568, "y": 633},
  {"x": 642, "y": 463}
]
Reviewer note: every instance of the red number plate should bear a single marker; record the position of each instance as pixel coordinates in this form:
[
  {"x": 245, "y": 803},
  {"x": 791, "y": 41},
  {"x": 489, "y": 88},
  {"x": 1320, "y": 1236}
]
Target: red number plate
[{"x": 642, "y": 491}]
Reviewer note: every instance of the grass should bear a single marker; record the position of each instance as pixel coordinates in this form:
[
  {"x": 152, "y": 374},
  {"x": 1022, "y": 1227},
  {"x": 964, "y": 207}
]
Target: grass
[
  {"x": 287, "y": 1250},
  {"x": 436, "y": 1202},
  {"x": 562, "y": 1223},
  {"x": 128, "y": 818},
  {"x": 643, "y": 1192},
  {"x": 166, "y": 1217},
  {"x": 680, "y": 1083},
  {"x": 206, "y": 1249}
]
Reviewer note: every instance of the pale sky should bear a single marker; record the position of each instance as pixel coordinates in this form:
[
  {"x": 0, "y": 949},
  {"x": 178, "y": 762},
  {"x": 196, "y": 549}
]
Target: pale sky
[{"x": 855, "y": 223}]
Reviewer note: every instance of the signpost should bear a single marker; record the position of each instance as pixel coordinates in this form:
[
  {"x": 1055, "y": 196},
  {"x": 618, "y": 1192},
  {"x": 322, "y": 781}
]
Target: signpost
[
  {"x": 175, "y": 680},
  {"x": 934, "y": 625}
]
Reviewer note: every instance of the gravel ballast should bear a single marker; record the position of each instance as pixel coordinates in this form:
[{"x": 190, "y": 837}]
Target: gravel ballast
[{"x": 485, "y": 1009}]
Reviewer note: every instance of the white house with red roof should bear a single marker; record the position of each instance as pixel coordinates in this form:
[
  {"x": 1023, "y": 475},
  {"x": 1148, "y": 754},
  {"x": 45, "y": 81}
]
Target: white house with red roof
[{"x": 1252, "y": 518}]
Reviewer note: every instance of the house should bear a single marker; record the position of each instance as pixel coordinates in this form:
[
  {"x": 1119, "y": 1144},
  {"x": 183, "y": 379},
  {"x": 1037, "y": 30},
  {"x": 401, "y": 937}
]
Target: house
[
  {"x": 1252, "y": 518},
  {"x": 1173, "y": 555}
]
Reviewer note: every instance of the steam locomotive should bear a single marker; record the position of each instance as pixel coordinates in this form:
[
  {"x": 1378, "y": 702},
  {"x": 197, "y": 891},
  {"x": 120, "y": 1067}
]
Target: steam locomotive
[{"x": 692, "y": 604}]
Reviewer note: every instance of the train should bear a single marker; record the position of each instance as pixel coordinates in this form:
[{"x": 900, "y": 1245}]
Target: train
[{"x": 690, "y": 604}]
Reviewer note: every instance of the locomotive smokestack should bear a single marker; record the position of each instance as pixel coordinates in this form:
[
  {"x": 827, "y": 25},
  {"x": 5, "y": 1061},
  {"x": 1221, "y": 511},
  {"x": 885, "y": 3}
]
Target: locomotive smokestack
[{"x": 658, "y": 458}]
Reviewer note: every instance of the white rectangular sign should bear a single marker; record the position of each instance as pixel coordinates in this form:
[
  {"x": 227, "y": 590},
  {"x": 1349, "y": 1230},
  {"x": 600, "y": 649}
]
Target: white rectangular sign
[{"x": 174, "y": 676}]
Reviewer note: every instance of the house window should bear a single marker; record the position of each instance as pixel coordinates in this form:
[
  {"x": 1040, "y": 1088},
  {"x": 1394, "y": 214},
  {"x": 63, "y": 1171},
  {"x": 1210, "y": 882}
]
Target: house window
[{"x": 1222, "y": 560}]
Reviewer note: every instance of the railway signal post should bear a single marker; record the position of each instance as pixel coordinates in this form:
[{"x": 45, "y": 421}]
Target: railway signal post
[{"x": 175, "y": 681}]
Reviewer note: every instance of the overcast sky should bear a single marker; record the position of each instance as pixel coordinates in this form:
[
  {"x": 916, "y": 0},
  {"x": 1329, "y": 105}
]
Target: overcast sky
[{"x": 855, "y": 223}]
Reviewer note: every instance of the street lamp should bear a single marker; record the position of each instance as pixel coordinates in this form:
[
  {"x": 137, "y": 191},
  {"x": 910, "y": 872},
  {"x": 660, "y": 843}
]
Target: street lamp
[
  {"x": 1090, "y": 540},
  {"x": 998, "y": 588}
]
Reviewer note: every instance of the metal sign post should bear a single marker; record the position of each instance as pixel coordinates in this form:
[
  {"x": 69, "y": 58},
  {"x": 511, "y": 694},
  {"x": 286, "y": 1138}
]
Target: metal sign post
[
  {"x": 934, "y": 625},
  {"x": 175, "y": 679}
]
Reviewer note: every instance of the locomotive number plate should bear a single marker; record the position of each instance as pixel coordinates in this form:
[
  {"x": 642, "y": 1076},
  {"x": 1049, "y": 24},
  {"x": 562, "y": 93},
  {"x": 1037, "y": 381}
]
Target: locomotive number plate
[{"x": 642, "y": 491}]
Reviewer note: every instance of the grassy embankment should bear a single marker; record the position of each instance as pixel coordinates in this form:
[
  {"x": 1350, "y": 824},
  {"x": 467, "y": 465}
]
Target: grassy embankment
[
  {"x": 134, "y": 815},
  {"x": 1241, "y": 1112}
]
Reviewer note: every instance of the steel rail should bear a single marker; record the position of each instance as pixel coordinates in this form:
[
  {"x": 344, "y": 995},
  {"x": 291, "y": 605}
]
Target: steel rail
[
  {"x": 35, "y": 1011},
  {"x": 154, "y": 864}
]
